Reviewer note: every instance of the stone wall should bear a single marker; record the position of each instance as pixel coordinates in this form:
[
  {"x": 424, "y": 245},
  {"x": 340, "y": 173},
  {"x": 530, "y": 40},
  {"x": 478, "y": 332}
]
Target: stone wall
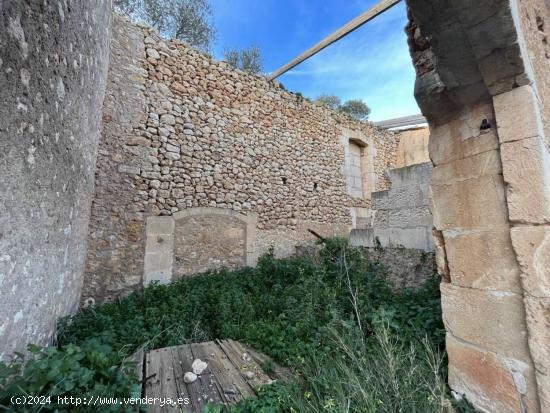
[
  {"x": 183, "y": 131},
  {"x": 405, "y": 267},
  {"x": 50, "y": 106},
  {"x": 478, "y": 82},
  {"x": 400, "y": 216},
  {"x": 413, "y": 147},
  {"x": 196, "y": 240},
  {"x": 534, "y": 16}
]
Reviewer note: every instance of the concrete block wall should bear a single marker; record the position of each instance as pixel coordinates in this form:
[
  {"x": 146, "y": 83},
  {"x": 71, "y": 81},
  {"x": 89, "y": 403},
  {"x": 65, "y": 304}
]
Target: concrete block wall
[{"x": 401, "y": 215}]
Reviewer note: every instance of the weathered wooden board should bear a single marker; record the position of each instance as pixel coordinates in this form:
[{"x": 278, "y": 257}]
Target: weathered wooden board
[{"x": 234, "y": 373}]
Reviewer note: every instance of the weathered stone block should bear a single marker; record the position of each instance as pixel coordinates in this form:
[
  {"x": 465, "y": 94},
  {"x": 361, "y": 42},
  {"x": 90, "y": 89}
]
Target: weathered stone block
[
  {"x": 159, "y": 244},
  {"x": 168, "y": 119},
  {"x": 411, "y": 175},
  {"x": 381, "y": 218},
  {"x": 160, "y": 225},
  {"x": 418, "y": 238},
  {"x": 403, "y": 197},
  {"x": 410, "y": 217},
  {"x": 380, "y": 200},
  {"x": 485, "y": 163},
  {"x": 129, "y": 169},
  {"x": 362, "y": 237},
  {"x": 462, "y": 137},
  {"x": 471, "y": 204},
  {"x": 483, "y": 260},
  {"x": 488, "y": 381},
  {"x": 538, "y": 321},
  {"x": 441, "y": 262},
  {"x": 526, "y": 169},
  {"x": 486, "y": 318},
  {"x": 532, "y": 248},
  {"x": 517, "y": 114},
  {"x": 543, "y": 384},
  {"x": 157, "y": 267},
  {"x": 410, "y": 196}
]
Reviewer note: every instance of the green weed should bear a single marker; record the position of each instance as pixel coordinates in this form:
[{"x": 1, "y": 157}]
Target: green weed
[{"x": 321, "y": 317}]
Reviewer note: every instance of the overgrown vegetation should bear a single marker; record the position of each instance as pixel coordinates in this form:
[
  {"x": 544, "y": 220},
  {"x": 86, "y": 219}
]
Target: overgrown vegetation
[
  {"x": 356, "y": 108},
  {"x": 248, "y": 59},
  {"x": 50, "y": 376},
  {"x": 186, "y": 20},
  {"x": 357, "y": 345}
]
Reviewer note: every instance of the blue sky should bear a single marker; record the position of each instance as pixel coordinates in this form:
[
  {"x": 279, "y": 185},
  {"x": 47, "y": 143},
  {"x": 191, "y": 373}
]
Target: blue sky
[{"x": 372, "y": 63}]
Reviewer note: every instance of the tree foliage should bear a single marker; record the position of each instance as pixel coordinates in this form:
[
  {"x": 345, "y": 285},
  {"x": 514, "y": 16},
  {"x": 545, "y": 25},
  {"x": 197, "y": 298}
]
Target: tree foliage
[
  {"x": 332, "y": 101},
  {"x": 248, "y": 59},
  {"x": 186, "y": 20},
  {"x": 355, "y": 108}
]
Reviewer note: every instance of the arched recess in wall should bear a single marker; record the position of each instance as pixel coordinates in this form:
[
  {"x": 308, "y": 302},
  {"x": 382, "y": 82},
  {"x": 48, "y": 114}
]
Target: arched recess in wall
[{"x": 196, "y": 240}]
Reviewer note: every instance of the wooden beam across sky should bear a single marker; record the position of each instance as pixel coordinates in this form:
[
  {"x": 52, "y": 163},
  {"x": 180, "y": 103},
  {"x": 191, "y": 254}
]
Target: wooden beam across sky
[{"x": 337, "y": 35}]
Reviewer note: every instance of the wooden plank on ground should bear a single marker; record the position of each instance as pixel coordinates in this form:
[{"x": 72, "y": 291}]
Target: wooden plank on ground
[
  {"x": 244, "y": 367},
  {"x": 232, "y": 371},
  {"x": 182, "y": 388},
  {"x": 279, "y": 372},
  {"x": 204, "y": 389},
  {"x": 337, "y": 35},
  {"x": 233, "y": 387},
  {"x": 224, "y": 382},
  {"x": 137, "y": 357},
  {"x": 162, "y": 384},
  {"x": 200, "y": 352}
]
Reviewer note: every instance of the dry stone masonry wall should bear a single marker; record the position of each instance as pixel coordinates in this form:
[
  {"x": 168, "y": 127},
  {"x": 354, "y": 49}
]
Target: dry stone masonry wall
[{"x": 184, "y": 131}]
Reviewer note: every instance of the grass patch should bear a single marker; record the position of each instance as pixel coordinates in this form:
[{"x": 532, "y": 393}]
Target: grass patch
[{"x": 334, "y": 320}]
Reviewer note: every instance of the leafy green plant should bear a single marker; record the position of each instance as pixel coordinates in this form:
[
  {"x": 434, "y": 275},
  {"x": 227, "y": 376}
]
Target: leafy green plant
[
  {"x": 280, "y": 306},
  {"x": 92, "y": 371},
  {"x": 268, "y": 366},
  {"x": 286, "y": 308}
]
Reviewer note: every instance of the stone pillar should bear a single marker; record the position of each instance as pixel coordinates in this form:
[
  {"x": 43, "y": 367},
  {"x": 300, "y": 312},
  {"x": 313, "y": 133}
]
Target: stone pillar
[
  {"x": 490, "y": 197},
  {"x": 526, "y": 170},
  {"x": 53, "y": 66}
]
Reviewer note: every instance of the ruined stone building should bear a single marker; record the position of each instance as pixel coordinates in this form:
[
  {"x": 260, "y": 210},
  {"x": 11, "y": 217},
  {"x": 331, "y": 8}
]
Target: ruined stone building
[
  {"x": 201, "y": 166},
  {"x": 125, "y": 159}
]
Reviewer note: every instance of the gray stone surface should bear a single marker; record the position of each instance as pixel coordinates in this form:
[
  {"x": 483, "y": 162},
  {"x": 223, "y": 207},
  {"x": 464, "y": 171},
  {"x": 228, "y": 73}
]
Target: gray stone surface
[
  {"x": 401, "y": 213},
  {"x": 53, "y": 65},
  {"x": 197, "y": 240},
  {"x": 405, "y": 267},
  {"x": 116, "y": 243}
]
